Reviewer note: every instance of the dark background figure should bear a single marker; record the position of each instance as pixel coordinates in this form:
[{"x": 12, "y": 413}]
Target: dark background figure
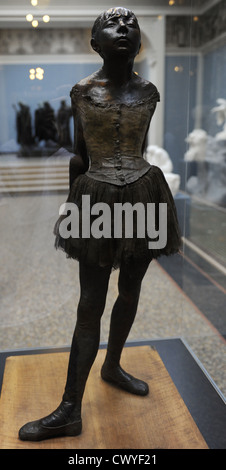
[
  {"x": 45, "y": 124},
  {"x": 63, "y": 125},
  {"x": 23, "y": 126}
]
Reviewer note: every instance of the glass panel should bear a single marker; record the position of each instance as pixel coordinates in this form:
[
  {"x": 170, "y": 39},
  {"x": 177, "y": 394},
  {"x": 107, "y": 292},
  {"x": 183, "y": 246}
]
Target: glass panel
[{"x": 196, "y": 140}]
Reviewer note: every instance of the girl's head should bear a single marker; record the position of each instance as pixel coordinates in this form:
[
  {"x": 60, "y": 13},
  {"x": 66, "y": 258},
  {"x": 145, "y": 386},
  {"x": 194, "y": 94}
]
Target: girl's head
[
  {"x": 111, "y": 13},
  {"x": 114, "y": 24}
]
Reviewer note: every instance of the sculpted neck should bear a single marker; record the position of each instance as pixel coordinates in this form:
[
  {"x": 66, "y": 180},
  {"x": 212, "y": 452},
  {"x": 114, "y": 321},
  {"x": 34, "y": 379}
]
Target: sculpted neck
[{"x": 118, "y": 71}]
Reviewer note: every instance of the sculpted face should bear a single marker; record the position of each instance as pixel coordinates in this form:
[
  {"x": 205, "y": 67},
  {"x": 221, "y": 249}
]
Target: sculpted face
[{"x": 117, "y": 32}]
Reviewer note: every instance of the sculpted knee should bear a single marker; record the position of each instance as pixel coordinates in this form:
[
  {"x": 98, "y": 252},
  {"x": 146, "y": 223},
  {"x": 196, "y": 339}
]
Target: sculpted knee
[{"x": 90, "y": 309}]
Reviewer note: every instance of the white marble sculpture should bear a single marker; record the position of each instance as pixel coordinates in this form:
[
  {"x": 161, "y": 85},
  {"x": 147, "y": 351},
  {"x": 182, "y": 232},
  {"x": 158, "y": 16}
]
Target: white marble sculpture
[
  {"x": 221, "y": 117},
  {"x": 197, "y": 140},
  {"x": 209, "y": 154},
  {"x": 158, "y": 156}
]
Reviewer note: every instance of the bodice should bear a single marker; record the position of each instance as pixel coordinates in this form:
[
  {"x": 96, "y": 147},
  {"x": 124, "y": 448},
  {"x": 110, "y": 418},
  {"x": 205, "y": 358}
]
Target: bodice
[{"x": 114, "y": 136}]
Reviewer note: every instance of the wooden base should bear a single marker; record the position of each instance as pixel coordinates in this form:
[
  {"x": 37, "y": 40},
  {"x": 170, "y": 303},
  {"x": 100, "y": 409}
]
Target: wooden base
[{"x": 112, "y": 419}]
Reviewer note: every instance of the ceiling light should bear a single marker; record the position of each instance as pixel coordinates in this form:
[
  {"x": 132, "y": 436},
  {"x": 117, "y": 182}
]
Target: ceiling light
[
  {"x": 32, "y": 74},
  {"x": 36, "y": 73},
  {"x": 46, "y": 18},
  {"x": 34, "y": 3},
  {"x": 171, "y": 2},
  {"x": 178, "y": 68},
  {"x": 29, "y": 17},
  {"x": 39, "y": 73},
  {"x": 34, "y": 23}
]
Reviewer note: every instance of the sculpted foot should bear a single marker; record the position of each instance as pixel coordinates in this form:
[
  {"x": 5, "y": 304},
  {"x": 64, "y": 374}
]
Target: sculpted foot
[
  {"x": 60, "y": 423},
  {"x": 118, "y": 377}
]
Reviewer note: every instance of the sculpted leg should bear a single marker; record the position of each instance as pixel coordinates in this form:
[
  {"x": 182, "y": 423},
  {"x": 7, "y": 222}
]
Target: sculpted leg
[
  {"x": 122, "y": 318},
  {"x": 66, "y": 419}
]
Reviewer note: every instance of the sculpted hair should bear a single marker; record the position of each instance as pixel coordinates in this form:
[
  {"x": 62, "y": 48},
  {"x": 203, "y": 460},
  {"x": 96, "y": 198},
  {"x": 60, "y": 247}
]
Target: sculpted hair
[{"x": 112, "y": 12}]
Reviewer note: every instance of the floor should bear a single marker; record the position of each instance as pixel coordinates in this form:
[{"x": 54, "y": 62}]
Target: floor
[
  {"x": 213, "y": 238},
  {"x": 39, "y": 291}
]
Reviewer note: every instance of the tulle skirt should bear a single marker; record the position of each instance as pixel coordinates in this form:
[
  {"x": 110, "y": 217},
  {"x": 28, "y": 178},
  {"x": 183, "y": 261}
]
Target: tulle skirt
[{"x": 93, "y": 240}]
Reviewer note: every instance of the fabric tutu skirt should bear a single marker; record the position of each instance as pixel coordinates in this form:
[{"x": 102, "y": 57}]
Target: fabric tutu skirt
[{"x": 91, "y": 236}]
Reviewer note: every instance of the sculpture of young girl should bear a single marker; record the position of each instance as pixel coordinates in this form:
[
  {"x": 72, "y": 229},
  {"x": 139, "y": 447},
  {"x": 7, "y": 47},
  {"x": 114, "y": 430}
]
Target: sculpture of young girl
[{"x": 112, "y": 110}]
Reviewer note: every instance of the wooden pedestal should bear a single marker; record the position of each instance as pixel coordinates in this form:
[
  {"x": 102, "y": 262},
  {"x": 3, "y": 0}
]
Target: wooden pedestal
[{"x": 112, "y": 419}]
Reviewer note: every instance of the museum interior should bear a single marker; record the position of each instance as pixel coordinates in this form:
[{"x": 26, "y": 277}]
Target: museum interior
[{"x": 44, "y": 51}]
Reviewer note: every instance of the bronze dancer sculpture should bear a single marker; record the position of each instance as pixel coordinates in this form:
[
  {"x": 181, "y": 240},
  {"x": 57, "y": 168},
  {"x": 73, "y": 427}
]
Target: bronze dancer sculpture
[{"x": 112, "y": 110}]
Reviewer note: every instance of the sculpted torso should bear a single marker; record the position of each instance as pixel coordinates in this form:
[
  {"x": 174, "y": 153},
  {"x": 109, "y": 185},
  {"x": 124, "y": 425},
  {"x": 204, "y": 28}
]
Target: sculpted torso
[{"x": 113, "y": 122}]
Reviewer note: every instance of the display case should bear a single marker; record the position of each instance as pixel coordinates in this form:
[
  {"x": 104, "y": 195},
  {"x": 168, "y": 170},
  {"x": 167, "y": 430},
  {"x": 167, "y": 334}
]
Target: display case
[{"x": 182, "y": 303}]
